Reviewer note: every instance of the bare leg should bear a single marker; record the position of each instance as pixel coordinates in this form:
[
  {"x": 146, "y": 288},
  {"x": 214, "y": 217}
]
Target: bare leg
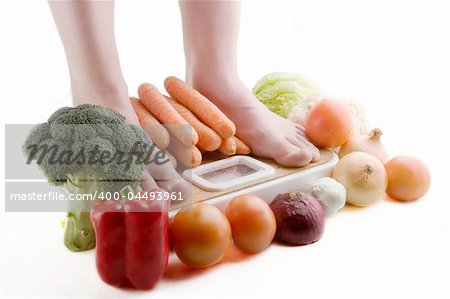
[
  {"x": 210, "y": 30},
  {"x": 86, "y": 29}
]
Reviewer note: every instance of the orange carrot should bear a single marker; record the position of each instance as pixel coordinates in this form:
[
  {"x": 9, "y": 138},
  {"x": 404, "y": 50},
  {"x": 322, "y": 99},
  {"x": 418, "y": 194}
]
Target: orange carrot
[
  {"x": 208, "y": 139},
  {"x": 157, "y": 132},
  {"x": 206, "y": 111},
  {"x": 242, "y": 148},
  {"x": 157, "y": 104},
  {"x": 196, "y": 157},
  {"x": 228, "y": 147},
  {"x": 187, "y": 155}
]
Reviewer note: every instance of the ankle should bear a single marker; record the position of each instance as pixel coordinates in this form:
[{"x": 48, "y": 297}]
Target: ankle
[
  {"x": 209, "y": 68},
  {"x": 211, "y": 77},
  {"x": 95, "y": 90}
]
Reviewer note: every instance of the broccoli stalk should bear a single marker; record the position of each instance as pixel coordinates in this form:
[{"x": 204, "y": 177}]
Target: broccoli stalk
[
  {"x": 79, "y": 230},
  {"x": 88, "y": 150}
]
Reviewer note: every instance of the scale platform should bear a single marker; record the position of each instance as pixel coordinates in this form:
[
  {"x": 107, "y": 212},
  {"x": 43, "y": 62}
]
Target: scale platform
[{"x": 219, "y": 179}]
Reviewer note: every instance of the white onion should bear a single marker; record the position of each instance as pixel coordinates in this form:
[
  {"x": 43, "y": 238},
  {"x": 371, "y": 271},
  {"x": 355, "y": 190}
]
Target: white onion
[{"x": 364, "y": 177}]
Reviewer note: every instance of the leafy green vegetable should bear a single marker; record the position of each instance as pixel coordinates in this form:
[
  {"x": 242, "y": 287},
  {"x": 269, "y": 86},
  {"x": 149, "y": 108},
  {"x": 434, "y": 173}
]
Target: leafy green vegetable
[{"x": 280, "y": 92}]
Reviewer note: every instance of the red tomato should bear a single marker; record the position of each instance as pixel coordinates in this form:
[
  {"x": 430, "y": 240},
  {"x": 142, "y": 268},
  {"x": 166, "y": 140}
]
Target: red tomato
[
  {"x": 329, "y": 123},
  {"x": 252, "y": 222},
  {"x": 200, "y": 235},
  {"x": 408, "y": 178}
]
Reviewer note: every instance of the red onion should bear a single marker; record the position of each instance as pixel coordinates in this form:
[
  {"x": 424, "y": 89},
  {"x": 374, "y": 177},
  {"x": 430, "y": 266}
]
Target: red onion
[{"x": 300, "y": 218}]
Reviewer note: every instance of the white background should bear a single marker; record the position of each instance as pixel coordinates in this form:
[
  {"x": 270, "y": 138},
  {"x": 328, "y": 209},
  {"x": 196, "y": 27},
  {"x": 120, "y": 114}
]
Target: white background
[{"x": 392, "y": 56}]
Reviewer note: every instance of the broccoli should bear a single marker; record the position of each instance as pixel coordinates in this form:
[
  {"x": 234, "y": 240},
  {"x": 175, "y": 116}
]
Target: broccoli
[{"x": 87, "y": 149}]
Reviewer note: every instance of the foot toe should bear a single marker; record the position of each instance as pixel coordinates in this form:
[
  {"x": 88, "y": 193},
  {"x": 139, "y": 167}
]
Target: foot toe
[
  {"x": 297, "y": 142},
  {"x": 300, "y": 134},
  {"x": 303, "y": 143},
  {"x": 290, "y": 155},
  {"x": 312, "y": 148}
]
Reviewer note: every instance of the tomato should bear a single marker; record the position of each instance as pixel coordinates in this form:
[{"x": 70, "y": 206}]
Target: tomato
[
  {"x": 408, "y": 178},
  {"x": 200, "y": 235},
  {"x": 329, "y": 123},
  {"x": 253, "y": 223}
]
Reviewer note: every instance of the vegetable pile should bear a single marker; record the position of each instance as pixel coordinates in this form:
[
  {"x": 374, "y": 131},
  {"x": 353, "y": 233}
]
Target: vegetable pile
[
  {"x": 132, "y": 237},
  {"x": 186, "y": 120},
  {"x": 364, "y": 169}
]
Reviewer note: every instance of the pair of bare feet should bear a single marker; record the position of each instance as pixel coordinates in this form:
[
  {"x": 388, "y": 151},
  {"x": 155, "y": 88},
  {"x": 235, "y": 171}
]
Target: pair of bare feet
[
  {"x": 210, "y": 36},
  {"x": 266, "y": 133}
]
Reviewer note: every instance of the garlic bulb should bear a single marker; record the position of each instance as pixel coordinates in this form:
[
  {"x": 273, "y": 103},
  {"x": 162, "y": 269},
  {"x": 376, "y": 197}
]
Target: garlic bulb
[{"x": 330, "y": 193}]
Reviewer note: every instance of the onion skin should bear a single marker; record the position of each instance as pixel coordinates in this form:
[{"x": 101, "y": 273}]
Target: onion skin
[
  {"x": 409, "y": 178},
  {"x": 363, "y": 176},
  {"x": 200, "y": 235},
  {"x": 370, "y": 143},
  {"x": 300, "y": 218},
  {"x": 328, "y": 124},
  {"x": 253, "y": 224}
]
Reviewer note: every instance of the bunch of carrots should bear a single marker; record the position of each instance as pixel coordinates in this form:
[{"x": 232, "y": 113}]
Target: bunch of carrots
[{"x": 185, "y": 120}]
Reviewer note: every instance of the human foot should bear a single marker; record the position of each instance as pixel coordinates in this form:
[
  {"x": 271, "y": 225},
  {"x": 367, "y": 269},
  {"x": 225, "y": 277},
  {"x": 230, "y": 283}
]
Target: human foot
[
  {"x": 115, "y": 96},
  {"x": 268, "y": 134}
]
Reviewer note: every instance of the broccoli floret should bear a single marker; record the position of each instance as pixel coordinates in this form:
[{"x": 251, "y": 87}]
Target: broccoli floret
[
  {"x": 57, "y": 113},
  {"x": 37, "y": 134},
  {"x": 87, "y": 114},
  {"x": 52, "y": 160},
  {"x": 86, "y": 149}
]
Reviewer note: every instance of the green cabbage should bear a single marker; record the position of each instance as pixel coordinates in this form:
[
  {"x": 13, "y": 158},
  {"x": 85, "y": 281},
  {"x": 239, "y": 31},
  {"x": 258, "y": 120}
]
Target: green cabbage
[{"x": 280, "y": 92}]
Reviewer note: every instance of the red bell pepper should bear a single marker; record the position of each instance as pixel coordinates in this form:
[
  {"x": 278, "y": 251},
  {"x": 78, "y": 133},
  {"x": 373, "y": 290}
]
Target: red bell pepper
[{"x": 132, "y": 243}]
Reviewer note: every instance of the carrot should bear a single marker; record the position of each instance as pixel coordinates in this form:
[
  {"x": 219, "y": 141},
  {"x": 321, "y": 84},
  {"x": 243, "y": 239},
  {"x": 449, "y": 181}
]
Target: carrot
[
  {"x": 208, "y": 139},
  {"x": 206, "y": 111},
  {"x": 188, "y": 155},
  {"x": 228, "y": 147},
  {"x": 242, "y": 148},
  {"x": 166, "y": 114},
  {"x": 157, "y": 132}
]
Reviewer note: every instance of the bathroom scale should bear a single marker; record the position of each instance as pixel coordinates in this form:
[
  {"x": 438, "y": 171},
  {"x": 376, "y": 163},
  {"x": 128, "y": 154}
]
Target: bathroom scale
[{"x": 218, "y": 180}]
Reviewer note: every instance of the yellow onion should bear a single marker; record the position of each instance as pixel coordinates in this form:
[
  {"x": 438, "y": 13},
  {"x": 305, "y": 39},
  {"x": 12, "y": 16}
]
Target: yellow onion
[{"x": 368, "y": 143}]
